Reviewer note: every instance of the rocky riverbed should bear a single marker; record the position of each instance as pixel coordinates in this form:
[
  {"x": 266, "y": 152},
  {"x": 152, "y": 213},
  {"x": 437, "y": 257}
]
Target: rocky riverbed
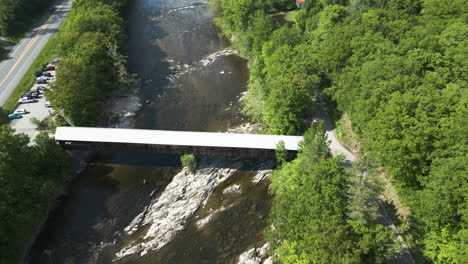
[{"x": 173, "y": 210}]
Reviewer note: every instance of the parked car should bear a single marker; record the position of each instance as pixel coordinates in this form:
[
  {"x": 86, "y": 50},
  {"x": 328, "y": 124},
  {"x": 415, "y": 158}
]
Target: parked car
[
  {"x": 41, "y": 88},
  {"x": 48, "y": 104},
  {"x": 20, "y": 111},
  {"x": 35, "y": 90},
  {"x": 54, "y": 61},
  {"x": 15, "y": 116},
  {"x": 52, "y": 9},
  {"x": 31, "y": 94},
  {"x": 26, "y": 100},
  {"x": 49, "y": 68},
  {"x": 42, "y": 78},
  {"x": 47, "y": 74},
  {"x": 41, "y": 81}
]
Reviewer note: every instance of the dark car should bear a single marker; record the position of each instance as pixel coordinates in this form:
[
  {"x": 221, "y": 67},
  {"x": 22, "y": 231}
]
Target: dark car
[
  {"x": 47, "y": 74},
  {"x": 41, "y": 81},
  {"x": 52, "y": 9},
  {"x": 41, "y": 88},
  {"x": 49, "y": 68},
  {"x": 31, "y": 94}
]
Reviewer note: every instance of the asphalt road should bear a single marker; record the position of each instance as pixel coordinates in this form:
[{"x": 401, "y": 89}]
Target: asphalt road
[{"x": 24, "y": 53}]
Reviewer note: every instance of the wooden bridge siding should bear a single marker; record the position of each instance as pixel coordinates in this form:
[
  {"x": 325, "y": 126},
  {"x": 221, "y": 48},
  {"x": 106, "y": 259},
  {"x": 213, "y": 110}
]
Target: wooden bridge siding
[{"x": 173, "y": 149}]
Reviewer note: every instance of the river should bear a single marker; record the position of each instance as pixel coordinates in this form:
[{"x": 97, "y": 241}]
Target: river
[{"x": 144, "y": 208}]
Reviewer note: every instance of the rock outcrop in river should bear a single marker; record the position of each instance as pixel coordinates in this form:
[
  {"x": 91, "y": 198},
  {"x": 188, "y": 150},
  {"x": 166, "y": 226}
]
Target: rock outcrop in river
[{"x": 168, "y": 213}]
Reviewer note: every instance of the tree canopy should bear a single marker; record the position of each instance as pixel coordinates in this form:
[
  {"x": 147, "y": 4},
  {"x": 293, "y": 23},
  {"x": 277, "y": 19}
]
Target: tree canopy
[
  {"x": 398, "y": 69},
  {"x": 90, "y": 46},
  {"x": 31, "y": 176},
  {"x": 17, "y": 15},
  {"x": 314, "y": 215}
]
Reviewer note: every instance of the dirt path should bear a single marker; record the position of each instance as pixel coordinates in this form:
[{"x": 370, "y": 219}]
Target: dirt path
[{"x": 403, "y": 257}]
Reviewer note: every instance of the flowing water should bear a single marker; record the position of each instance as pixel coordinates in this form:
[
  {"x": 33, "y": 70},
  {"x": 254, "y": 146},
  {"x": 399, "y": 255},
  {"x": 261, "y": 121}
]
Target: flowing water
[{"x": 126, "y": 205}]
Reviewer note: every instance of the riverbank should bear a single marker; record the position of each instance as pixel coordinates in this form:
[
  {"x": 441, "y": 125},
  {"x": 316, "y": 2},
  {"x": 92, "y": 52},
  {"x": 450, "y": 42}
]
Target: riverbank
[{"x": 80, "y": 159}]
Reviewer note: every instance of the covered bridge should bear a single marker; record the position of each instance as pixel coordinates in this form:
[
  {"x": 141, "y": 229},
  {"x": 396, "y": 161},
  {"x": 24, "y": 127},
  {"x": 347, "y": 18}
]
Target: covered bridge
[{"x": 174, "y": 142}]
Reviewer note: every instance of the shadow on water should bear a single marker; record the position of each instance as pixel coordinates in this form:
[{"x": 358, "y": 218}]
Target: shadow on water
[
  {"x": 145, "y": 57},
  {"x": 140, "y": 159},
  {"x": 99, "y": 204},
  {"x": 64, "y": 221}
]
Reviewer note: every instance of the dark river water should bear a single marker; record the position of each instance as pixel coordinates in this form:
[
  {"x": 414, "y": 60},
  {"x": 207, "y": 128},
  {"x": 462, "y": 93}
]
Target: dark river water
[{"x": 178, "y": 53}]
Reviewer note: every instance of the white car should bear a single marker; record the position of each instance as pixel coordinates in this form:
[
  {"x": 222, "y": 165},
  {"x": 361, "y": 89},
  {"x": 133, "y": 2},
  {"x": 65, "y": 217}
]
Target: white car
[
  {"x": 20, "y": 111},
  {"x": 40, "y": 78},
  {"x": 25, "y": 100},
  {"x": 48, "y": 104}
]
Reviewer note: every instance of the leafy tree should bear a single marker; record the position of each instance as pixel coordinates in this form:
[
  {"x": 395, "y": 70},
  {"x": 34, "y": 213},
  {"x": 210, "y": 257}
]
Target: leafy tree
[
  {"x": 31, "y": 176},
  {"x": 309, "y": 211},
  {"x": 236, "y": 14},
  {"x": 17, "y": 15},
  {"x": 362, "y": 5},
  {"x": 189, "y": 161},
  {"x": 83, "y": 100},
  {"x": 260, "y": 28},
  {"x": 363, "y": 192},
  {"x": 92, "y": 65},
  {"x": 281, "y": 153}
]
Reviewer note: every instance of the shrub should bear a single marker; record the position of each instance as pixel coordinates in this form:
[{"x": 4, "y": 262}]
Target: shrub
[{"x": 189, "y": 161}]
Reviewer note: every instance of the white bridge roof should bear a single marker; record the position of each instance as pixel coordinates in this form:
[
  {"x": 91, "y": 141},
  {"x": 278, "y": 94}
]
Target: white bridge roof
[{"x": 177, "y": 138}]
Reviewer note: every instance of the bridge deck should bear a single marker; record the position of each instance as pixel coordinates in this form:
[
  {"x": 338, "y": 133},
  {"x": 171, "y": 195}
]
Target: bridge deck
[{"x": 175, "y": 138}]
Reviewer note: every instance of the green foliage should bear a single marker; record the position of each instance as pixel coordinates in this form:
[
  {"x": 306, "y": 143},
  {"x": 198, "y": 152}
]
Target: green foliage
[
  {"x": 50, "y": 123},
  {"x": 3, "y": 53},
  {"x": 3, "y": 117},
  {"x": 363, "y": 190},
  {"x": 281, "y": 153},
  {"x": 92, "y": 65},
  {"x": 17, "y": 15},
  {"x": 310, "y": 211},
  {"x": 189, "y": 161},
  {"x": 40, "y": 124},
  {"x": 31, "y": 176},
  {"x": 399, "y": 70}
]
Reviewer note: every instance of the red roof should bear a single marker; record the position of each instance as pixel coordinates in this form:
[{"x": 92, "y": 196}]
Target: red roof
[{"x": 299, "y": 1}]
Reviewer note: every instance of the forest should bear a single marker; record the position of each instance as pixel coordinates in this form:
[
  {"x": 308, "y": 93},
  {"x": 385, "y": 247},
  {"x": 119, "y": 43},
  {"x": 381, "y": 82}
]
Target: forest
[
  {"x": 398, "y": 69},
  {"x": 90, "y": 46},
  {"x": 17, "y": 15},
  {"x": 31, "y": 177},
  {"x": 325, "y": 213}
]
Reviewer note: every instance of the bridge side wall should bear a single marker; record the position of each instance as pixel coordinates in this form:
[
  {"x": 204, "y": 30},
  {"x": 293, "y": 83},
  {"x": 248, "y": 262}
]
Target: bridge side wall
[{"x": 171, "y": 149}]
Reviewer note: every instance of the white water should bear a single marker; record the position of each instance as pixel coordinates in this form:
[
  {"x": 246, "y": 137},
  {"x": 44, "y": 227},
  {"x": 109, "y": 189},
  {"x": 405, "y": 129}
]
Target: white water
[{"x": 179, "y": 69}]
